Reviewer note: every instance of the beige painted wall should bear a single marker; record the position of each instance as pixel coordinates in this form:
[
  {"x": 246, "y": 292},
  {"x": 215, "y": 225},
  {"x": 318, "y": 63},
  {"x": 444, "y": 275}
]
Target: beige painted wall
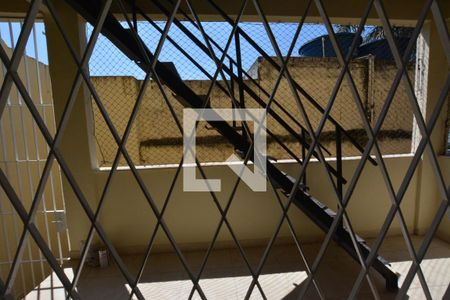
[
  {"x": 444, "y": 228},
  {"x": 429, "y": 195},
  {"x": 76, "y": 145},
  {"x": 153, "y": 142},
  {"x": 193, "y": 217}
]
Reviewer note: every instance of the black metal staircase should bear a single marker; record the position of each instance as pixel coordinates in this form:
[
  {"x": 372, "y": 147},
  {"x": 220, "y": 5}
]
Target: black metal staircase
[{"x": 322, "y": 216}]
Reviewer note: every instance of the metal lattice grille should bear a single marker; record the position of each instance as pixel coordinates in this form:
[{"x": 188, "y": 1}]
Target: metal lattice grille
[
  {"x": 23, "y": 155},
  {"x": 287, "y": 190}
]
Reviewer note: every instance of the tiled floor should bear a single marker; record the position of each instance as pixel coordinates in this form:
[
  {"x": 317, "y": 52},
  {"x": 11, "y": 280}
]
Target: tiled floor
[{"x": 226, "y": 276}]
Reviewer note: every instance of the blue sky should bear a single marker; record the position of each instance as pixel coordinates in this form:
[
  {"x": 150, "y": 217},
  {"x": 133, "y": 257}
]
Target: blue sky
[
  {"x": 108, "y": 60},
  {"x": 9, "y": 33}
]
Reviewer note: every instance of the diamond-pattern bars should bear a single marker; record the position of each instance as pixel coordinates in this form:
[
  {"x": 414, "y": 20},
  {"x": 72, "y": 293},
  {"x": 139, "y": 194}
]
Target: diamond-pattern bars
[
  {"x": 385, "y": 175},
  {"x": 445, "y": 191},
  {"x": 94, "y": 220},
  {"x": 303, "y": 92},
  {"x": 151, "y": 69},
  {"x": 416, "y": 158},
  {"x": 53, "y": 151},
  {"x": 371, "y": 135},
  {"x": 7, "y": 84},
  {"x": 344, "y": 71},
  {"x": 178, "y": 123},
  {"x": 18, "y": 53},
  {"x": 213, "y": 194},
  {"x": 255, "y": 279},
  {"x": 165, "y": 97},
  {"x": 289, "y": 189},
  {"x": 399, "y": 196},
  {"x": 121, "y": 148},
  {"x": 267, "y": 107},
  {"x": 411, "y": 95},
  {"x": 432, "y": 155},
  {"x": 34, "y": 232},
  {"x": 244, "y": 86},
  {"x": 253, "y": 95},
  {"x": 48, "y": 164},
  {"x": 220, "y": 64},
  {"x": 309, "y": 126},
  {"x": 48, "y": 138},
  {"x": 283, "y": 207},
  {"x": 120, "y": 142},
  {"x": 223, "y": 213}
]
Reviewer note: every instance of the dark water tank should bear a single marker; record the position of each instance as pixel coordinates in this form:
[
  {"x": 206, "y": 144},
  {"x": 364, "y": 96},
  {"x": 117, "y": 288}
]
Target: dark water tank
[
  {"x": 381, "y": 50},
  {"x": 322, "y": 47}
]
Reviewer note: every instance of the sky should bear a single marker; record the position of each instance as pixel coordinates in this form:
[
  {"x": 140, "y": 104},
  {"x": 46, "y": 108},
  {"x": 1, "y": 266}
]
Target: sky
[
  {"x": 9, "y": 33},
  {"x": 107, "y": 60}
]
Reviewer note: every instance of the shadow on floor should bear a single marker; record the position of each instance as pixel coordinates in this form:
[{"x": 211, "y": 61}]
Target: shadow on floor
[{"x": 226, "y": 275}]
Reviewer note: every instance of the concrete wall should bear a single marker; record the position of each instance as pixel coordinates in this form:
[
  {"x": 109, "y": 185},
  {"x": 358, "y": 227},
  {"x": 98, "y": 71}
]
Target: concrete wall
[
  {"x": 157, "y": 143},
  {"x": 154, "y": 125},
  {"x": 318, "y": 76}
]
